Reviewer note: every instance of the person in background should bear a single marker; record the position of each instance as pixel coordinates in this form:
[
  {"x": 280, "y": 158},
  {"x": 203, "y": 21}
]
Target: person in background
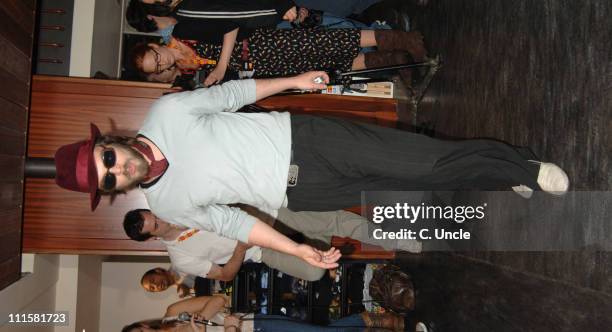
[
  {"x": 219, "y": 22},
  {"x": 213, "y": 308},
  {"x": 201, "y": 253},
  {"x": 340, "y": 8},
  {"x": 263, "y": 51},
  {"x": 159, "y": 279},
  {"x": 271, "y": 53}
]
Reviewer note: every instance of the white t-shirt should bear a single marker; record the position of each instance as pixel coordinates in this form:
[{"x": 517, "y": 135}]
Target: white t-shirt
[
  {"x": 194, "y": 251},
  {"x": 217, "y": 157}
]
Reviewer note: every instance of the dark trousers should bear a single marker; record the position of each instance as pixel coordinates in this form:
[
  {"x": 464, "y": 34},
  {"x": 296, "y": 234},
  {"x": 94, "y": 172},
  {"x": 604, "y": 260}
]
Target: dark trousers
[{"x": 338, "y": 159}]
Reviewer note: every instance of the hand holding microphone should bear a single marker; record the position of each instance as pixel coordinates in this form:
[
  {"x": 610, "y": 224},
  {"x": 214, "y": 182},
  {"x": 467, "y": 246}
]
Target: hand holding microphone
[
  {"x": 186, "y": 317},
  {"x": 312, "y": 80}
]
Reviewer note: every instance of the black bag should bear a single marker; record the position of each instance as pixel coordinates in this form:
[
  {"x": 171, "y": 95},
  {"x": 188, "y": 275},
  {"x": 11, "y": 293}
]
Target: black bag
[{"x": 393, "y": 289}]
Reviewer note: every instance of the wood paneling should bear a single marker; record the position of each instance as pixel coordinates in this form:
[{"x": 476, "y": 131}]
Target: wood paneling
[
  {"x": 12, "y": 167},
  {"x": 11, "y": 194},
  {"x": 13, "y": 116},
  {"x": 58, "y": 220},
  {"x": 12, "y": 143},
  {"x": 10, "y": 271},
  {"x": 13, "y": 61},
  {"x": 14, "y": 90},
  {"x": 20, "y": 13},
  {"x": 17, "y": 34},
  {"x": 10, "y": 236},
  {"x": 16, "y": 37},
  {"x": 10, "y": 244},
  {"x": 379, "y": 111},
  {"x": 70, "y": 212}
]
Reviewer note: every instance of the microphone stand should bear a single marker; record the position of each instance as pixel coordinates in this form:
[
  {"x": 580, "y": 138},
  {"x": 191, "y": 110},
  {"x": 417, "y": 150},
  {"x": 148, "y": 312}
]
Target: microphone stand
[{"x": 349, "y": 82}]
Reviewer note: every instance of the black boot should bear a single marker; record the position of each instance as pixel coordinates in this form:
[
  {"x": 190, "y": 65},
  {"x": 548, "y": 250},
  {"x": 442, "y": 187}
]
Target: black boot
[{"x": 394, "y": 40}]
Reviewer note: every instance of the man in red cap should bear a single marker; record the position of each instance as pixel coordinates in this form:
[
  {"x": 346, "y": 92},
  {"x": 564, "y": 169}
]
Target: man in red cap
[
  {"x": 193, "y": 156},
  {"x": 103, "y": 164}
]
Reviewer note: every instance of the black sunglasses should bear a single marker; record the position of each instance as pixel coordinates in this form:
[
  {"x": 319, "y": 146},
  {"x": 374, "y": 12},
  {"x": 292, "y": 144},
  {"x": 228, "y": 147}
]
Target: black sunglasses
[
  {"x": 109, "y": 158},
  {"x": 157, "y": 62}
]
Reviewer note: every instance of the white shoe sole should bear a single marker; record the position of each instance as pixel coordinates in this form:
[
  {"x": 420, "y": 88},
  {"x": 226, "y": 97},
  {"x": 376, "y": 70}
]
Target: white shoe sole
[
  {"x": 523, "y": 191},
  {"x": 420, "y": 327},
  {"x": 412, "y": 246}
]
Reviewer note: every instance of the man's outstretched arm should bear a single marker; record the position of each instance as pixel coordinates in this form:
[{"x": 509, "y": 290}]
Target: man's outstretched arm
[
  {"x": 234, "y": 223},
  {"x": 265, "y": 236},
  {"x": 231, "y": 96}
]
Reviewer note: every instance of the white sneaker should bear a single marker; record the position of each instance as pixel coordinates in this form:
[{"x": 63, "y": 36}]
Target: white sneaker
[
  {"x": 552, "y": 178},
  {"x": 412, "y": 246},
  {"x": 421, "y": 327},
  {"x": 524, "y": 191}
]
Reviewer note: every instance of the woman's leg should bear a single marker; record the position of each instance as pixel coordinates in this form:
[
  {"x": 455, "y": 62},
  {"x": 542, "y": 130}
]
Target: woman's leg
[
  {"x": 359, "y": 62},
  {"x": 368, "y": 38}
]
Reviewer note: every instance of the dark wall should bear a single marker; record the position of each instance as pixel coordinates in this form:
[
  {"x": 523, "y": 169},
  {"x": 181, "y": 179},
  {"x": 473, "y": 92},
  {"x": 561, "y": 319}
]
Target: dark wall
[{"x": 16, "y": 35}]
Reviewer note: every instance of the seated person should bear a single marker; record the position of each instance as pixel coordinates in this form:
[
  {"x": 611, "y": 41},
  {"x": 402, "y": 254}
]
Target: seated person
[
  {"x": 216, "y": 21},
  {"x": 166, "y": 76},
  {"x": 200, "y": 253},
  {"x": 212, "y": 308},
  {"x": 270, "y": 53}
]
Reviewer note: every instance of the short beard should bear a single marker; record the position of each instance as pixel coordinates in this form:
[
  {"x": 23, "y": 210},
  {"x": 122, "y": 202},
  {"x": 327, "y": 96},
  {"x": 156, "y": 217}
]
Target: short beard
[{"x": 141, "y": 171}]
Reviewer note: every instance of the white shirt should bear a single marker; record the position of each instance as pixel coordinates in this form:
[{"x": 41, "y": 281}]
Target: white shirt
[
  {"x": 196, "y": 254},
  {"x": 217, "y": 158}
]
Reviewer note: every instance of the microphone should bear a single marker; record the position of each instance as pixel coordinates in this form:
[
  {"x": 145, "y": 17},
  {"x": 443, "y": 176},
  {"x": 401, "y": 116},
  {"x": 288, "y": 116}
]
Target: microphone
[
  {"x": 171, "y": 319},
  {"x": 186, "y": 317}
]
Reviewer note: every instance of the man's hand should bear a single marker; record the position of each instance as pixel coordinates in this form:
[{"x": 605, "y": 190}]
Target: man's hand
[
  {"x": 232, "y": 321},
  {"x": 215, "y": 76},
  {"x": 290, "y": 15},
  {"x": 267, "y": 237},
  {"x": 306, "y": 81},
  {"x": 318, "y": 258}
]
